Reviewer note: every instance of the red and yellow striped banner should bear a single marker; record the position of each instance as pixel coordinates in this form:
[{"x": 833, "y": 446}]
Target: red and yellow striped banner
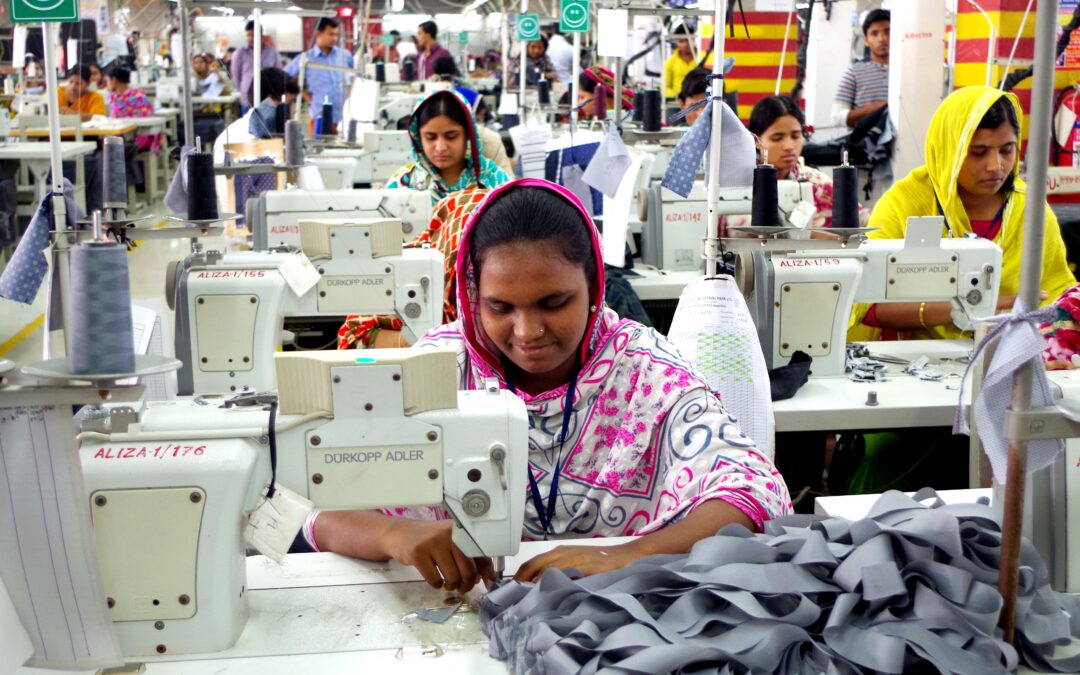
[{"x": 757, "y": 57}]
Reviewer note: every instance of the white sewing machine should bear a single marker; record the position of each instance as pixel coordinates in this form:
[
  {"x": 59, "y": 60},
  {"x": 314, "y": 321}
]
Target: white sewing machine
[
  {"x": 674, "y": 227},
  {"x": 274, "y": 215},
  {"x": 230, "y": 308},
  {"x": 170, "y": 485},
  {"x": 396, "y": 105},
  {"x": 384, "y": 153},
  {"x": 801, "y": 292}
]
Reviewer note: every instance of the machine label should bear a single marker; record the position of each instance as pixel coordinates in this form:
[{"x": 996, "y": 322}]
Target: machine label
[
  {"x": 356, "y": 281},
  {"x": 284, "y": 229},
  {"x": 682, "y": 217},
  {"x": 914, "y": 268},
  {"x": 373, "y": 456},
  {"x": 167, "y": 451},
  {"x": 231, "y": 274},
  {"x": 809, "y": 262}
]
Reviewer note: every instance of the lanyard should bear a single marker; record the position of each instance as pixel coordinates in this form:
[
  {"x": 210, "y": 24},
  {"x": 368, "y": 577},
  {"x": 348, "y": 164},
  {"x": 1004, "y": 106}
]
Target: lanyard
[{"x": 545, "y": 515}]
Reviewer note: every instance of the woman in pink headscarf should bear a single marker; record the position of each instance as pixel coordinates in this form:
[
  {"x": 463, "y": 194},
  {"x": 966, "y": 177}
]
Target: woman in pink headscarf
[{"x": 625, "y": 438}]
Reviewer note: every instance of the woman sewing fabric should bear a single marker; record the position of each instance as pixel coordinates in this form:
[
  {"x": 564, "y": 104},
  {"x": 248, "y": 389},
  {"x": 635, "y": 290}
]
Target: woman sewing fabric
[
  {"x": 972, "y": 178},
  {"x": 645, "y": 448},
  {"x": 447, "y": 153},
  {"x": 598, "y": 83}
]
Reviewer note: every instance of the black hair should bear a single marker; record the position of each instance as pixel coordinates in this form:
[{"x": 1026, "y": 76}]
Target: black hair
[
  {"x": 431, "y": 29},
  {"x": 396, "y": 33},
  {"x": 273, "y": 83},
  {"x": 80, "y": 70},
  {"x": 444, "y": 66},
  {"x": 543, "y": 40},
  {"x": 533, "y": 214},
  {"x": 326, "y": 22},
  {"x": 250, "y": 26},
  {"x": 588, "y": 85},
  {"x": 771, "y": 108},
  {"x": 442, "y": 104},
  {"x": 695, "y": 83},
  {"x": 94, "y": 65},
  {"x": 999, "y": 113},
  {"x": 120, "y": 74},
  {"x": 874, "y": 16},
  {"x": 292, "y": 86}
]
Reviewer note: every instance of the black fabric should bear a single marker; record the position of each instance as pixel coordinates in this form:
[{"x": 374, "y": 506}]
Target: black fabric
[
  {"x": 786, "y": 380},
  {"x": 620, "y": 296}
]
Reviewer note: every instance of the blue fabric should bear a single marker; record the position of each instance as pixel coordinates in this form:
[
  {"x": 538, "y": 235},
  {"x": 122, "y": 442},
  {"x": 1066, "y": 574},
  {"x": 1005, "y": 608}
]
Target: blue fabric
[
  {"x": 470, "y": 95},
  {"x": 252, "y": 185},
  {"x": 25, "y": 271},
  {"x": 324, "y": 84},
  {"x": 581, "y": 155},
  {"x": 262, "y": 120},
  {"x": 686, "y": 160}
]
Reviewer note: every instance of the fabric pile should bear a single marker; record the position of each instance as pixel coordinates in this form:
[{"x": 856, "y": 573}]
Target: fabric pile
[{"x": 911, "y": 587}]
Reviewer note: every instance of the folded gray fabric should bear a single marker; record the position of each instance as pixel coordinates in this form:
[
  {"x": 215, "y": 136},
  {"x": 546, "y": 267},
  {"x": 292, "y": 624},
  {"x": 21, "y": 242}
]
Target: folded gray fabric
[
  {"x": 908, "y": 587},
  {"x": 176, "y": 196}
]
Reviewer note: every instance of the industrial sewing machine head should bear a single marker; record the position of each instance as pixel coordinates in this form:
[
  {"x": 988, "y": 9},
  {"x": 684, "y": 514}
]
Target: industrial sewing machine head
[
  {"x": 274, "y": 216},
  {"x": 230, "y": 308},
  {"x": 674, "y": 227},
  {"x": 171, "y": 485},
  {"x": 801, "y": 292}
]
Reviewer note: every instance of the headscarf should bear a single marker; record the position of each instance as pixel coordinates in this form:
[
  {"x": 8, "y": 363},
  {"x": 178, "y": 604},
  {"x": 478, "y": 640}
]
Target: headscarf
[
  {"x": 421, "y": 174},
  {"x": 605, "y": 78},
  {"x": 646, "y": 442},
  {"x": 931, "y": 190}
]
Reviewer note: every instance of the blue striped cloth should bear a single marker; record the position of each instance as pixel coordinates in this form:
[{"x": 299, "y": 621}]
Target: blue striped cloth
[{"x": 864, "y": 82}]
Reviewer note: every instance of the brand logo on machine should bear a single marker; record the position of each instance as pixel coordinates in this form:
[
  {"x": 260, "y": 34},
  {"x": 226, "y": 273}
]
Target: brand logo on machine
[
  {"x": 357, "y": 281},
  {"x": 284, "y": 229},
  {"x": 923, "y": 269},
  {"x": 373, "y": 457}
]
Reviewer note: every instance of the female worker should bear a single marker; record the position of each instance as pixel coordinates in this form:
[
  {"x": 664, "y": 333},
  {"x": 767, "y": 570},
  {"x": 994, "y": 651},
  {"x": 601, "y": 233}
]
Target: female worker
[
  {"x": 537, "y": 63},
  {"x": 447, "y": 153},
  {"x": 624, "y": 437},
  {"x": 598, "y": 83},
  {"x": 778, "y": 125},
  {"x": 972, "y": 178}
]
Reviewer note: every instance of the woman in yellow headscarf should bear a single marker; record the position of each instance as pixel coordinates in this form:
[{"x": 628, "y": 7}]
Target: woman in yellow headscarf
[{"x": 972, "y": 178}]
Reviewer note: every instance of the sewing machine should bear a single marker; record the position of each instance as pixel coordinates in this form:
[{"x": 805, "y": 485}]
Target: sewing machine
[
  {"x": 391, "y": 72},
  {"x": 230, "y": 308},
  {"x": 171, "y": 485},
  {"x": 673, "y": 227},
  {"x": 274, "y": 215},
  {"x": 396, "y": 105},
  {"x": 384, "y": 153},
  {"x": 800, "y": 292}
]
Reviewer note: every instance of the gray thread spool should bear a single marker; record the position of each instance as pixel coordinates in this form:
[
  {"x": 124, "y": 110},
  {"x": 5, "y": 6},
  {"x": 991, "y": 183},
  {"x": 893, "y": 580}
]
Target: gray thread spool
[
  {"x": 114, "y": 174},
  {"x": 352, "y": 131},
  {"x": 294, "y": 143},
  {"x": 101, "y": 310}
]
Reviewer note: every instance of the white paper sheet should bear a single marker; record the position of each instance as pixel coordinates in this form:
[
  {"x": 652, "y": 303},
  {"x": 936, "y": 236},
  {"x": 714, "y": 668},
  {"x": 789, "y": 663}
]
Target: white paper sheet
[
  {"x": 712, "y": 328},
  {"x": 530, "y": 144},
  {"x": 617, "y": 215},
  {"x": 18, "y": 47},
  {"x": 611, "y": 29},
  {"x": 49, "y": 563},
  {"x": 15, "y": 645}
]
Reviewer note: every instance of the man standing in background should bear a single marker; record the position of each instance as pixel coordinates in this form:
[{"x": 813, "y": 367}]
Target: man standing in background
[
  {"x": 325, "y": 85},
  {"x": 560, "y": 52},
  {"x": 864, "y": 88},
  {"x": 427, "y": 35},
  {"x": 243, "y": 62}
]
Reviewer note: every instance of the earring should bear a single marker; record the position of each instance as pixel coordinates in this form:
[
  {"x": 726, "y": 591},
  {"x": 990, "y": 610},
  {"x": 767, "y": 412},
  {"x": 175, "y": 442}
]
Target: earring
[{"x": 592, "y": 308}]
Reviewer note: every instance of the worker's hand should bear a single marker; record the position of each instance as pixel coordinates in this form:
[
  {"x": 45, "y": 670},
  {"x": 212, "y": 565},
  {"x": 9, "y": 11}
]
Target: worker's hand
[
  {"x": 875, "y": 105},
  {"x": 1005, "y": 302},
  {"x": 588, "y": 560},
  {"x": 428, "y": 546}
]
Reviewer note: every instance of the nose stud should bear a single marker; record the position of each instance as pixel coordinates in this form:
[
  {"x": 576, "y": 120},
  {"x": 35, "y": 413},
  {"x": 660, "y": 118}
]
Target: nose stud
[{"x": 541, "y": 332}]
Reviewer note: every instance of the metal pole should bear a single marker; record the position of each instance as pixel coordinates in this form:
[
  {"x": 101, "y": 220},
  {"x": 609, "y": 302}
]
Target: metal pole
[
  {"x": 618, "y": 93},
  {"x": 300, "y": 83},
  {"x": 256, "y": 75},
  {"x": 504, "y": 38},
  {"x": 575, "y": 81},
  {"x": 63, "y": 245},
  {"x": 524, "y": 47},
  {"x": 1042, "y": 92},
  {"x": 663, "y": 72},
  {"x": 783, "y": 50},
  {"x": 185, "y": 56},
  {"x": 716, "y": 106}
]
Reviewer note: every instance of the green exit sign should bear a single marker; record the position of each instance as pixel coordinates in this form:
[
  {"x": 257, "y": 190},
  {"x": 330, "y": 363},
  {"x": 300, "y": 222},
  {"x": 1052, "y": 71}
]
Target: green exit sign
[
  {"x": 37, "y": 11},
  {"x": 574, "y": 16}
]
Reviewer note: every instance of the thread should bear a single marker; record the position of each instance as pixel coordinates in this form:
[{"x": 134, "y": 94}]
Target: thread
[
  {"x": 327, "y": 118},
  {"x": 410, "y": 71},
  {"x": 765, "y": 208},
  {"x": 380, "y": 72},
  {"x": 845, "y": 209},
  {"x": 600, "y": 103},
  {"x": 352, "y": 131},
  {"x": 201, "y": 188},
  {"x": 281, "y": 116},
  {"x": 294, "y": 143},
  {"x": 650, "y": 114},
  {"x": 639, "y": 105},
  {"x": 543, "y": 91},
  {"x": 101, "y": 309},
  {"x": 114, "y": 174}
]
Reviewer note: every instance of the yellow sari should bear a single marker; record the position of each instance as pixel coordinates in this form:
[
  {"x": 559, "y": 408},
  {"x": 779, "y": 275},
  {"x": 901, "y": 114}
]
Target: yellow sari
[{"x": 919, "y": 194}]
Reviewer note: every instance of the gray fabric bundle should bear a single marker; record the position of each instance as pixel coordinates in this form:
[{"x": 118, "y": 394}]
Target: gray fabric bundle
[{"x": 908, "y": 588}]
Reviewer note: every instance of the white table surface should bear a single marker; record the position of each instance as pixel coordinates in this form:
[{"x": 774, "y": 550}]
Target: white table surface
[
  {"x": 839, "y": 403},
  {"x": 35, "y": 150},
  {"x": 657, "y": 284}
]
